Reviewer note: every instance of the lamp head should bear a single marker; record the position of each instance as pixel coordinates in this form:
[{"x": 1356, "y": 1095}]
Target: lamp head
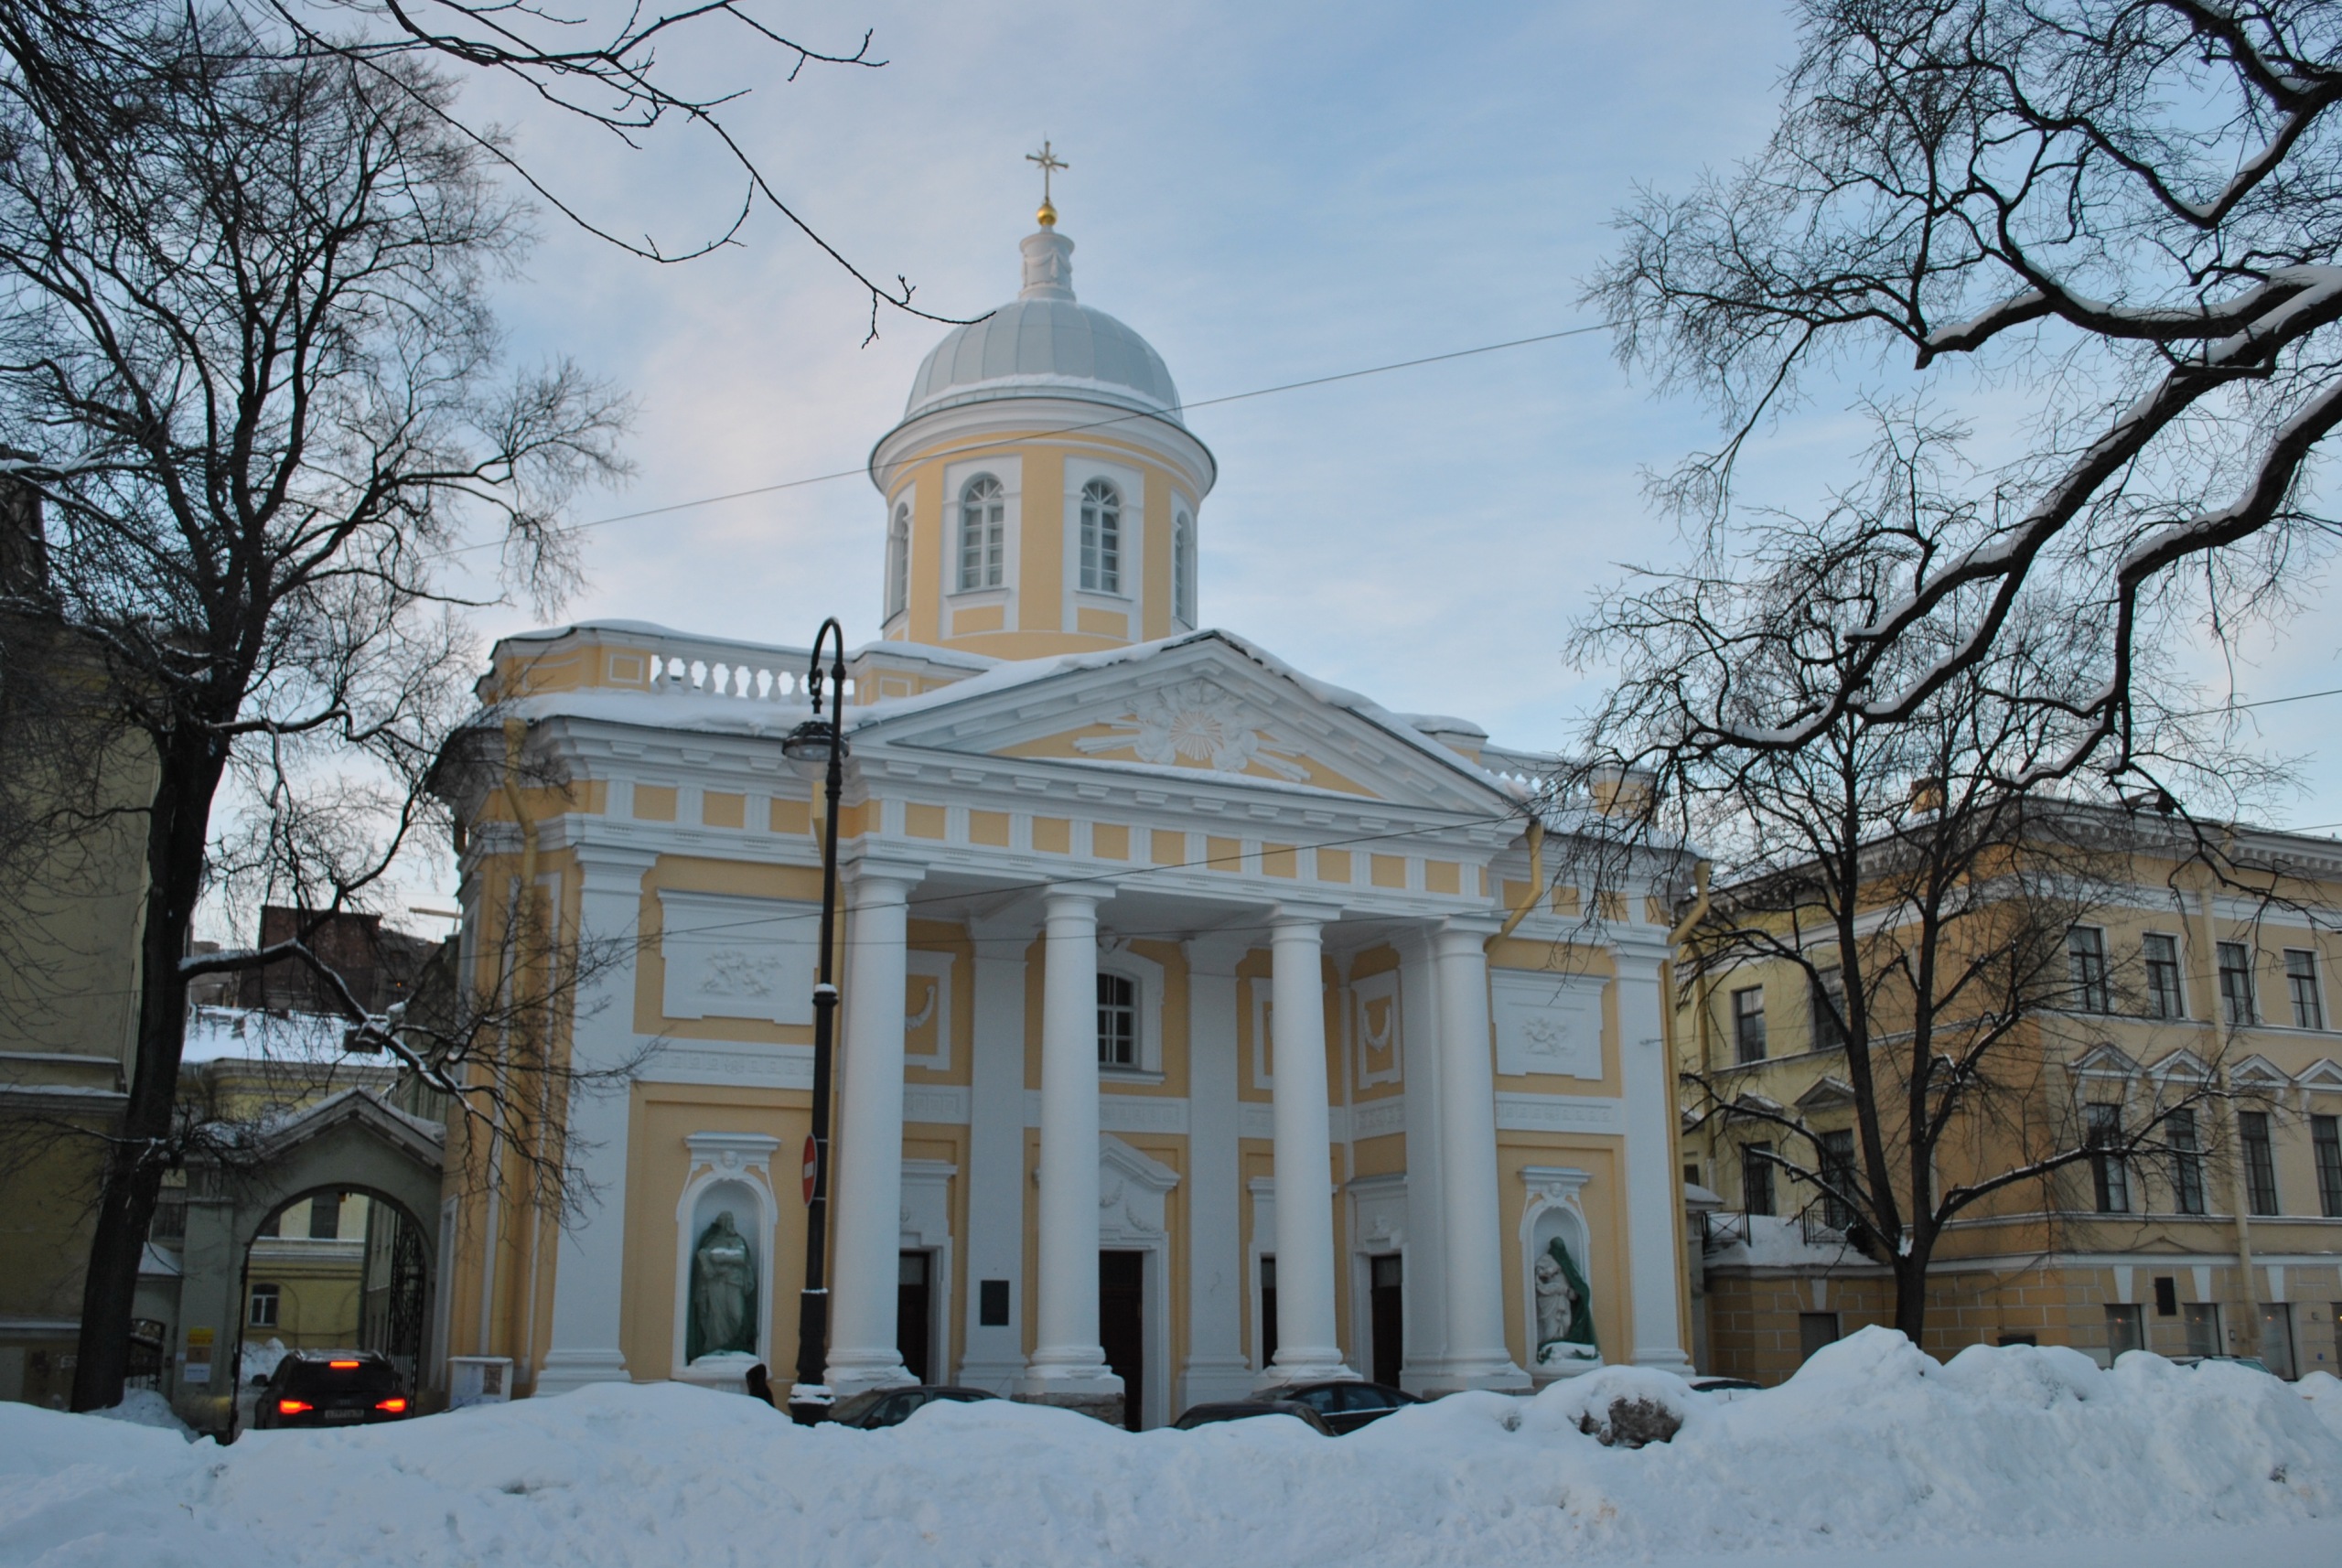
[{"x": 813, "y": 742}]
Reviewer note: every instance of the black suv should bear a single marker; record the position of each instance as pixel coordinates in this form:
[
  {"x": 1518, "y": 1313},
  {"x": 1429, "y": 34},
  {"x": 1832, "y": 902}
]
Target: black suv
[{"x": 331, "y": 1388}]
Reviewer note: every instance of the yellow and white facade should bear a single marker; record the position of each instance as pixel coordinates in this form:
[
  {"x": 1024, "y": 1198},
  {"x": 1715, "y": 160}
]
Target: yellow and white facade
[{"x": 1188, "y": 1040}]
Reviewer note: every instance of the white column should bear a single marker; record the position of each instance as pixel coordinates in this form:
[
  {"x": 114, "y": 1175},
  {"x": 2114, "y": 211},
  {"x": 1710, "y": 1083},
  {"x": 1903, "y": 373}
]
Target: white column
[
  {"x": 1216, "y": 1368},
  {"x": 589, "y": 1276},
  {"x": 1475, "y": 1356},
  {"x": 1427, "y": 1278},
  {"x": 1655, "y": 1239},
  {"x": 1308, "y": 1347},
  {"x": 995, "y": 1354},
  {"x": 1068, "y": 1365},
  {"x": 867, "y": 1195}
]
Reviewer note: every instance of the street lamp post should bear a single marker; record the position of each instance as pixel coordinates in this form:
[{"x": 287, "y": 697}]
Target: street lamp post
[{"x": 824, "y": 741}]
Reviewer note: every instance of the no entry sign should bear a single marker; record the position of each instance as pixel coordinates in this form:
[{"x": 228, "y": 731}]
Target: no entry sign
[{"x": 812, "y": 1164}]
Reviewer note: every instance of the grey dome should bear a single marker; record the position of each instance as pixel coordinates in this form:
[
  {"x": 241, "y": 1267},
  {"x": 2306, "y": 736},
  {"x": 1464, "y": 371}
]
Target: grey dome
[{"x": 1045, "y": 343}]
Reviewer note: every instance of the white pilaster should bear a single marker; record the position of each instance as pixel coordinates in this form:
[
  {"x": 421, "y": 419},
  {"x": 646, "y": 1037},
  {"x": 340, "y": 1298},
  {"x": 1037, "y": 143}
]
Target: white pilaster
[
  {"x": 1475, "y": 1357},
  {"x": 589, "y": 1276},
  {"x": 868, "y": 1193},
  {"x": 995, "y": 1354},
  {"x": 1427, "y": 1278},
  {"x": 1215, "y": 1367},
  {"x": 1655, "y": 1240},
  {"x": 1068, "y": 1363},
  {"x": 1308, "y": 1347}
]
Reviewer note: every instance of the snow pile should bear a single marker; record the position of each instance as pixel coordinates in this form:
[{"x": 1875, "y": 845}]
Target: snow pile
[
  {"x": 1872, "y": 1446},
  {"x": 144, "y": 1407}
]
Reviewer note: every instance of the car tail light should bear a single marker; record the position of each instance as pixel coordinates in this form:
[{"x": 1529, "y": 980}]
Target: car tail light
[
  {"x": 396, "y": 1406},
  {"x": 294, "y": 1407},
  {"x": 343, "y": 1366}
]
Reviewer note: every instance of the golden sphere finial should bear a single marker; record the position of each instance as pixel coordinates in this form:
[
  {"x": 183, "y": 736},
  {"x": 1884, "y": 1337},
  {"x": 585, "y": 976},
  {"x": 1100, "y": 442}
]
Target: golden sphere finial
[{"x": 1048, "y": 215}]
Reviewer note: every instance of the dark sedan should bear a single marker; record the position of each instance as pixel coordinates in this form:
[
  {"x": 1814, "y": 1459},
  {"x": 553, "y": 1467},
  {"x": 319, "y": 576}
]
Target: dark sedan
[
  {"x": 875, "y": 1408},
  {"x": 332, "y": 1388},
  {"x": 1344, "y": 1406}
]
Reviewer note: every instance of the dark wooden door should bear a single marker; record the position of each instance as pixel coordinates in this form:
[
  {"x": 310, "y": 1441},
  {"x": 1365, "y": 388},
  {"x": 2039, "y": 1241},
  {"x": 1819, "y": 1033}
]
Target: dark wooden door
[
  {"x": 914, "y": 1304},
  {"x": 1121, "y": 1326},
  {"x": 1385, "y": 1306}
]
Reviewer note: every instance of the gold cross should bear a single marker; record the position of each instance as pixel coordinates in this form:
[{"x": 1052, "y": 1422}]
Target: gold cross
[{"x": 1050, "y": 163}]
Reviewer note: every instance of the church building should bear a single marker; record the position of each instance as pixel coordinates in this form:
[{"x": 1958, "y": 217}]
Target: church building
[{"x": 1204, "y": 1024}]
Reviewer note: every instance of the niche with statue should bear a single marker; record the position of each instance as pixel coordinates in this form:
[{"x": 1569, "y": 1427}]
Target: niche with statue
[
  {"x": 724, "y": 1232},
  {"x": 1557, "y": 1244}
]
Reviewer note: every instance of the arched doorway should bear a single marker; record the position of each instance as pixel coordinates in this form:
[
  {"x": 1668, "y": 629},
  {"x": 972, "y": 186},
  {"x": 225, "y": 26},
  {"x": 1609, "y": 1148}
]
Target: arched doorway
[{"x": 336, "y": 1211}]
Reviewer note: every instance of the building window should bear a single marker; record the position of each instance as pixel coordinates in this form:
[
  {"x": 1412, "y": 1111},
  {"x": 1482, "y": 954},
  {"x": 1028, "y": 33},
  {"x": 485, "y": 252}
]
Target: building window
[
  {"x": 2187, "y": 1161},
  {"x": 984, "y": 533},
  {"x": 2086, "y": 969},
  {"x": 899, "y": 561},
  {"x": 2260, "y": 1162},
  {"x": 1268, "y": 1324},
  {"x": 2109, "y": 1182},
  {"x": 1101, "y": 538},
  {"x": 1815, "y": 1329},
  {"x": 2326, "y": 1141},
  {"x": 1838, "y": 1171},
  {"x": 1830, "y": 1010},
  {"x": 1183, "y": 569},
  {"x": 2162, "y": 978},
  {"x": 2125, "y": 1332},
  {"x": 2201, "y": 1319},
  {"x": 1117, "y": 1020},
  {"x": 325, "y": 1217},
  {"x": 266, "y": 1299},
  {"x": 1748, "y": 1024},
  {"x": 2300, "y": 980},
  {"x": 1756, "y": 1178},
  {"x": 2236, "y": 982}
]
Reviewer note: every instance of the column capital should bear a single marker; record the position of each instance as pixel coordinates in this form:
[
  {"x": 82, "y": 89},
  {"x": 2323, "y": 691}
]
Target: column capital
[
  {"x": 611, "y": 868},
  {"x": 1073, "y": 898},
  {"x": 1641, "y": 950},
  {"x": 1457, "y": 932},
  {"x": 1291, "y": 915},
  {"x": 870, "y": 880},
  {"x": 1218, "y": 953}
]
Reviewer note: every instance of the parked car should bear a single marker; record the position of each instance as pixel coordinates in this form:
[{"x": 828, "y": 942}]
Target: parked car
[
  {"x": 331, "y": 1388},
  {"x": 1726, "y": 1390},
  {"x": 2250, "y": 1363},
  {"x": 1345, "y": 1405},
  {"x": 875, "y": 1408},
  {"x": 1245, "y": 1410}
]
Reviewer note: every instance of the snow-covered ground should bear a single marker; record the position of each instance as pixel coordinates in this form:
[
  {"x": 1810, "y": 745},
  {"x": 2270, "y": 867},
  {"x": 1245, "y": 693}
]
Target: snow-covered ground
[{"x": 2021, "y": 1458}]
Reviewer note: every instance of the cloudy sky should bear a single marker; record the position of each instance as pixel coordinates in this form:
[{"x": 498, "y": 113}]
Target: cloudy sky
[{"x": 1268, "y": 194}]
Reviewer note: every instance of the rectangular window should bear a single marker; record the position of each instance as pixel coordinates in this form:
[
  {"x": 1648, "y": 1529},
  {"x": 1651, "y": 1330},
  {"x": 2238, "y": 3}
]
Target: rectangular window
[
  {"x": 2166, "y": 1296},
  {"x": 2326, "y": 1141},
  {"x": 2164, "y": 1000},
  {"x": 1117, "y": 1020},
  {"x": 2301, "y": 983},
  {"x": 2201, "y": 1319},
  {"x": 2125, "y": 1332},
  {"x": 2277, "y": 1337},
  {"x": 325, "y": 1217},
  {"x": 1815, "y": 1329},
  {"x": 2110, "y": 1181},
  {"x": 2085, "y": 969},
  {"x": 1268, "y": 1324},
  {"x": 992, "y": 1304},
  {"x": 1748, "y": 1024},
  {"x": 265, "y": 1301},
  {"x": 2186, "y": 1163},
  {"x": 1830, "y": 1010},
  {"x": 2260, "y": 1161},
  {"x": 1838, "y": 1170},
  {"x": 2236, "y": 984},
  {"x": 1756, "y": 1178}
]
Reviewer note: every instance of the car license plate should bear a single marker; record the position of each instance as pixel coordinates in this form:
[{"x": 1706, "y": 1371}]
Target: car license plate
[{"x": 343, "y": 1414}]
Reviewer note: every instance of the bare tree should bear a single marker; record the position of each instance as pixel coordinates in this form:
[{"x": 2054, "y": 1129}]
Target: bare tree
[
  {"x": 2121, "y": 217},
  {"x": 251, "y": 351},
  {"x": 1913, "y": 871},
  {"x": 599, "y": 70}
]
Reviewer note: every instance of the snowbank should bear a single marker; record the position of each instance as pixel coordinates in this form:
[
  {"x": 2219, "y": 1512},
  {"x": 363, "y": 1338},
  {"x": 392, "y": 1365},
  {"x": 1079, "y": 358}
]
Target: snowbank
[
  {"x": 144, "y": 1407},
  {"x": 1873, "y": 1446}
]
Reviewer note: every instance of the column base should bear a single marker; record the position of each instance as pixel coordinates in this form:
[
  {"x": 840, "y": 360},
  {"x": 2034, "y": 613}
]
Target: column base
[
  {"x": 999, "y": 1377},
  {"x": 1495, "y": 1373},
  {"x": 1208, "y": 1380},
  {"x": 1107, "y": 1408},
  {"x": 1310, "y": 1364},
  {"x": 566, "y": 1370},
  {"x": 852, "y": 1373}
]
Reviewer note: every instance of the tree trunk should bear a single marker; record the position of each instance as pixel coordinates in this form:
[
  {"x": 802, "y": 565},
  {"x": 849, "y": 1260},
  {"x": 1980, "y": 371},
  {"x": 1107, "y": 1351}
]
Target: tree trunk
[
  {"x": 1911, "y": 1291},
  {"x": 178, "y": 825}
]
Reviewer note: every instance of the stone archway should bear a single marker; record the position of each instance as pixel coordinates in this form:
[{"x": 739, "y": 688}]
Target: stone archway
[{"x": 352, "y": 1142}]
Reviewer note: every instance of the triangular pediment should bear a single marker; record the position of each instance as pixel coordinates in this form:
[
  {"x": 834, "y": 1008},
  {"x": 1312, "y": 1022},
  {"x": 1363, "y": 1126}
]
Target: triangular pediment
[
  {"x": 2322, "y": 1073},
  {"x": 2106, "y": 1061},
  {"x": 1206, "y": 705},
  {"x": 2259, "y": 1069},
  {"x": 2182, "y": 1064}
]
